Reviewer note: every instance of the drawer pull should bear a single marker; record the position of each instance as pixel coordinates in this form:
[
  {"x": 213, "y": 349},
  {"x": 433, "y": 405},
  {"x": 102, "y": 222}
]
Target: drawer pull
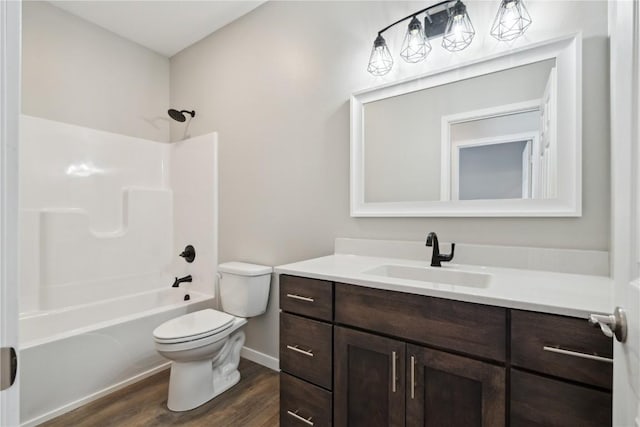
[
  {"x": 295, "y": 415},
  {"x": 413, "y": 377},
  {"x": 300, "y": 297},
  {"x": 299, "y": 350},
  {"x": 393, "y": 371},
  {"x": 577, "y": 354}
]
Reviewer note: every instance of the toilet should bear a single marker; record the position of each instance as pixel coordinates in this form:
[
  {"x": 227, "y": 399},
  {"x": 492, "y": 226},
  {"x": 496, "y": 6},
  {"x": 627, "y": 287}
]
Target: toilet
[{"x": 204, "y": 346}]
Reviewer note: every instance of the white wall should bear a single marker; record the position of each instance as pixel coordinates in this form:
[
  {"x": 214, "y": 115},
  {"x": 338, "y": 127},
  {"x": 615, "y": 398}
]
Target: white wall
[
  {"x": 276, "y": 84},
  {"x": 76, "y": 72}
]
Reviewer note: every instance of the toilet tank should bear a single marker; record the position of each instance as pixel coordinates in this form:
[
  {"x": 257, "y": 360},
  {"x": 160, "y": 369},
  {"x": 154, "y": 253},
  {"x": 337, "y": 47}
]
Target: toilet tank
[{"x": 244, "y": 288}]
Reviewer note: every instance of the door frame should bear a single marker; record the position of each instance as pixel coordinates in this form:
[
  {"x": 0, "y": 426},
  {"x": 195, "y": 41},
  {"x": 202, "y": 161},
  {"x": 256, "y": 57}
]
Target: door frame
[{"x": 10, "y": 46}]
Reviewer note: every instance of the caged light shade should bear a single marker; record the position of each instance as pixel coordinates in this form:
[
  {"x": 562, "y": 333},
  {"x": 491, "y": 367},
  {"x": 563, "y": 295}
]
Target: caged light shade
[
  {"x": 380, "y": 61},
  {"x": 511, "y": 21},
  {"x": 415, "y": 46},
  {"x": 459, "y": 31}
]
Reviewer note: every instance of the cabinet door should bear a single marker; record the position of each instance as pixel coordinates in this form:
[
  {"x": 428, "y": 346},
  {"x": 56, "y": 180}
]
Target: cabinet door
[
  {"x": 448, "y": 390},
  {"x": 369, "y": 380}
]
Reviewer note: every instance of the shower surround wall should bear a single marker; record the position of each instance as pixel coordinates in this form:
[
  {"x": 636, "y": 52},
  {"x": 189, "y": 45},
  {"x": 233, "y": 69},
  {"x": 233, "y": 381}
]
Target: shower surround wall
[
  {"x": 96, "y": 215},
  {"x": 103, "y": 219}
]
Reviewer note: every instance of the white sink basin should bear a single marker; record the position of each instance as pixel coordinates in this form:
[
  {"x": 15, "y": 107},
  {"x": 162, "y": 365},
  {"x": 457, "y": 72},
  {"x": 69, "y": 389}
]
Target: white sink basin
[{"x": 433, "y": 275}]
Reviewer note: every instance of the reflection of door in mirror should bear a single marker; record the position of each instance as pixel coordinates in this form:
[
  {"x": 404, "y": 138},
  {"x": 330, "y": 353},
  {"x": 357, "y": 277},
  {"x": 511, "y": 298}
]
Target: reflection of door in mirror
[
  {"x": 502, "y": 152},
  {"x": 547, "y": 155}
]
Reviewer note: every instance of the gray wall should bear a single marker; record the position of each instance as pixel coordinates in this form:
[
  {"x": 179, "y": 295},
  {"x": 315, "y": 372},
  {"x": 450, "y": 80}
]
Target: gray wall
[
  {"x": 276, "y": 85},
  {"x": 76, "y": 72}
]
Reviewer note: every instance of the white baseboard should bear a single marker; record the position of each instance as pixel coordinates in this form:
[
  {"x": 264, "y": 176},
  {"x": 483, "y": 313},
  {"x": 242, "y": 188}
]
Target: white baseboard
[
  {"x": 76, "y": 404},
  {"x": 260, "y": 358}
]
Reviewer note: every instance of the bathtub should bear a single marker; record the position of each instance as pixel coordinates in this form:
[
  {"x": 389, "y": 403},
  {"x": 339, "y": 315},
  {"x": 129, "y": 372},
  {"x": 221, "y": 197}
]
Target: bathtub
[{"x": 69, "y": 357}]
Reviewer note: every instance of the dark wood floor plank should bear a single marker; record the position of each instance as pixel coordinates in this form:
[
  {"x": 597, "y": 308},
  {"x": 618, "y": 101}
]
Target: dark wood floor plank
[{"x": 252, "y": 403}]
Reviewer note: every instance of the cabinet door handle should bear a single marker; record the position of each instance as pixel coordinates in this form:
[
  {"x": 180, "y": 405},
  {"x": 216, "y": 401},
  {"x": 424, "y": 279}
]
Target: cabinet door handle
[
  {"x": 299, "y": 350},
  {"x": 413, "y": 377},
  {"x": 393, "y": 371},
  {"x": 300, "y": 297},
  {"x": 577, "y": 354},
  {"x": 295, "y": 415}
]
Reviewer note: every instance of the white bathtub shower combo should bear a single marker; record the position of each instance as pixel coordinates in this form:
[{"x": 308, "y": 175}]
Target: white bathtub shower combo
[{"x": 100, "y": 240}]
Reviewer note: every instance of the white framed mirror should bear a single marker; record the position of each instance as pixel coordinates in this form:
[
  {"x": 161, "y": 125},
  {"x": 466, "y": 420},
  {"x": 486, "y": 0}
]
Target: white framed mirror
[{"x": 497, "y": 137}]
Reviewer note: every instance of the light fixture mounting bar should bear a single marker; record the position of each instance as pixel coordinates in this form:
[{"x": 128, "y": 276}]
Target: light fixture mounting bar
[{"x": 436, "y": 20}]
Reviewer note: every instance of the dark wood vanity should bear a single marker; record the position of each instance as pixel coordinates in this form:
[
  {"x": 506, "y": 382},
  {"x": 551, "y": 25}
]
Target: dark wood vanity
[{"x": 358, "y": 356}]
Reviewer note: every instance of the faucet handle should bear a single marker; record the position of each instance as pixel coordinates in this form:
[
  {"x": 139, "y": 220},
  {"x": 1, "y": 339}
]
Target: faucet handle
[
  {"x": 189, "y": 253},
  {"x": 450, "y": 256}
]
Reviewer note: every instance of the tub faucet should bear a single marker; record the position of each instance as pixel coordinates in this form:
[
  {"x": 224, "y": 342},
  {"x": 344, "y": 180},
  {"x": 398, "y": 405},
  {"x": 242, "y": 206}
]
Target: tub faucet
[
  {"x": 177, "y": 282},
  {"x": 436, "y": 257}
]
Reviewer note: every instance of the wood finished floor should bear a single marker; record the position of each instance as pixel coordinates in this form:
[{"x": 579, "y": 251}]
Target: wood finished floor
[{"x": 253, "y": 402}]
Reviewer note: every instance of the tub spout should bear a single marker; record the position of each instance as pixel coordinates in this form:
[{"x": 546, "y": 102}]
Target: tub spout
[{"x": 177, "y": 282}]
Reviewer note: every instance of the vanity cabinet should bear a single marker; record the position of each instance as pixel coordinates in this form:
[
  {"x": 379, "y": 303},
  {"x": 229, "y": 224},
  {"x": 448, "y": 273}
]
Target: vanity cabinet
[{"x": 358, "y": 356}]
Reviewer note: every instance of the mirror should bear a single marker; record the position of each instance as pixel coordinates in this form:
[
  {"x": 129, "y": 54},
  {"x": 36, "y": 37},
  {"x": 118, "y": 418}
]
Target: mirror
[{"x": 498, "y": 137}]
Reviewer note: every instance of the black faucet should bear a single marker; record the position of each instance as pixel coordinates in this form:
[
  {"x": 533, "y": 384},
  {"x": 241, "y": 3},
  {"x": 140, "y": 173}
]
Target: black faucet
[
  {"x": 177, "y": 282},
  {"x": 436, "y": 258}
]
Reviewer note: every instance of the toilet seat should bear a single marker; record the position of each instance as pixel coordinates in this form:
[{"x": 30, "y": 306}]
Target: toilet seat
[{"x": 193, "y": 326}]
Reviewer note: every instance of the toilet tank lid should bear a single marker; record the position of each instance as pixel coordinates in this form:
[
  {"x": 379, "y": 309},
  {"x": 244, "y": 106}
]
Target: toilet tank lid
[{"x": 244, "y": 269}]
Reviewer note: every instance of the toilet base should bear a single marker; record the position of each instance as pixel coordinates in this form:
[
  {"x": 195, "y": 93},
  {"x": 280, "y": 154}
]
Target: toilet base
[{"x": 192, "y": 384}]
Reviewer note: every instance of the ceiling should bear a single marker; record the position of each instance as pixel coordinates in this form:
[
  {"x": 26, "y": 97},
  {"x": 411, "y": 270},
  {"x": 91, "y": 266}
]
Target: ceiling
[{"x": 166, "y": 27}]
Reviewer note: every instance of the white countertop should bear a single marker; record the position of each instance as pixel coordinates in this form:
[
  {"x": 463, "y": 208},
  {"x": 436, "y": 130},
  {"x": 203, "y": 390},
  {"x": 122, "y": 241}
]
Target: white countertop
[{"x": 558, "y": 293}]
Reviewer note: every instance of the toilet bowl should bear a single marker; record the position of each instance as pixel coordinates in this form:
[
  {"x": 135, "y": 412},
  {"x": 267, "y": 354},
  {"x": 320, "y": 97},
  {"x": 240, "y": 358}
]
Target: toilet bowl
[{"x": 204, "y": 346}]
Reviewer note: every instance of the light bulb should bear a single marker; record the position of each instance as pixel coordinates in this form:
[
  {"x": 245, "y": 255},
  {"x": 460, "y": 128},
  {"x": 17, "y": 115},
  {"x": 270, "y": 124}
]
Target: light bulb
[
  {"x": 415, "y": 46},
  {"x": 511, "y": 21},
  {"x": 380, "y": 61},
  {"x": 459, "y": 31}
]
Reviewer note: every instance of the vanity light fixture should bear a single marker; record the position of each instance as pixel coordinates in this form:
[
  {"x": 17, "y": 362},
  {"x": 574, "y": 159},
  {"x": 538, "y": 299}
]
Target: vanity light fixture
[
  {"x": 459, "y": 31},
  {"x": 448, "y": 18},
  {"x": 511, "y": 21},
  {"x": 380, "y": 61},
  {"x": 416, "y": 46}
]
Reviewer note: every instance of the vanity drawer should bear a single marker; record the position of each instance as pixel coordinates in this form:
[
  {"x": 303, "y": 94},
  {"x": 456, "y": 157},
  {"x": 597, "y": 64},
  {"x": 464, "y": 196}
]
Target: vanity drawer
[
  {"x": 306, "y": 349},
  {"x": 309, "y": 297},
  {"x": 460, "y": 326},
  {"x": 540, "y": 401},
  {"x": 303, "y": 404},
  {"x": 561, "y": 346}
]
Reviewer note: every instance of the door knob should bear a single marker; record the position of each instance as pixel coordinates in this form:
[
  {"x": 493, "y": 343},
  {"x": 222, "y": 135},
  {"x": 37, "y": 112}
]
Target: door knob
[{"x": 612, "y": 325}]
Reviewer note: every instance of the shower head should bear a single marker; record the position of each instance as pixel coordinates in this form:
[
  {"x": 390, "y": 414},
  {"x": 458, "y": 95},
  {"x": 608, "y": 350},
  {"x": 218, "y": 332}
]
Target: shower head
[{"x": 179, "y": 115}]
